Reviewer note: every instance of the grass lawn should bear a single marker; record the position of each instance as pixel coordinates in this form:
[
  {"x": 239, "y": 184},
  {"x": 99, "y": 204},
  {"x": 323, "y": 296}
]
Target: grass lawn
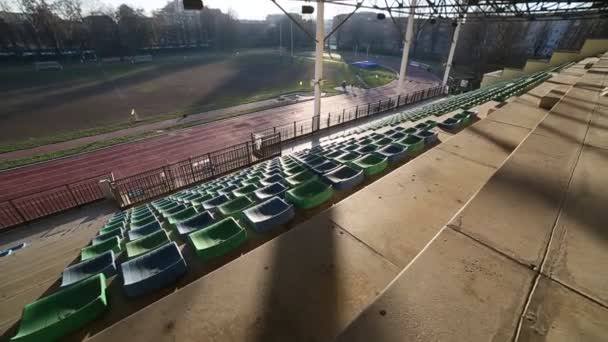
[{"x": 87, "y": 96}]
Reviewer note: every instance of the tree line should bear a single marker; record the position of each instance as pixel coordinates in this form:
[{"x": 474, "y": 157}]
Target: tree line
[{"x": 61, "y": 25}]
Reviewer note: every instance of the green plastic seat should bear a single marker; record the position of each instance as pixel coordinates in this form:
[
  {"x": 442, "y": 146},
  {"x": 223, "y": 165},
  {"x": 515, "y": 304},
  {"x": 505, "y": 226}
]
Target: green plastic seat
[
  {"x": 253, "y": 180},
  {"x": 114, "y": 225},
  {"x": 294, "y": 170},
  {"x": 202, "y": 197},
  {"x": 310, "y": 194},
  {"x": 111, "y": 244},
  {"x": 370, "y": 164},
  {"x": 53, "y": 317},
  {"x": 347, "y": 157},
  {"x": 300, "y": 178},
  {"x": 142, "y": 222},
  {"x": 147, "y": 243},
  {"x": 218, "y": 239},
  {"x": 181, "y": 215},
  {"x": 413, "y": 143},
  {"x": 464, "y": 118},
  {"x": 104, "y": 230},
  {"x": 234, "y": 208}
]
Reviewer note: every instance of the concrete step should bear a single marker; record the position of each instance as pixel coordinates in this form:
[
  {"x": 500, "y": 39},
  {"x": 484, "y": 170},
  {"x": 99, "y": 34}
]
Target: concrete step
[{"x": 524, "y": 260}]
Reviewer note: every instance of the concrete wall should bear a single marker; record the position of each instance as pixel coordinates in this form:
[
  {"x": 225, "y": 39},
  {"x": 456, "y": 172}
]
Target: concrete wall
[{"x": 591, "y": 47}]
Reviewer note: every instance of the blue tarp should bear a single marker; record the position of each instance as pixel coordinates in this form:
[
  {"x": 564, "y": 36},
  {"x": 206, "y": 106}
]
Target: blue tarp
[{"x": 366, "y": 64}]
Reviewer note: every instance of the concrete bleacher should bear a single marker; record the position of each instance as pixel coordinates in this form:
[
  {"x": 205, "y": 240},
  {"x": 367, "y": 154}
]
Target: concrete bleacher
[
  {"x": 525, "y": 259},
  {"x": 449, "y": 246}
]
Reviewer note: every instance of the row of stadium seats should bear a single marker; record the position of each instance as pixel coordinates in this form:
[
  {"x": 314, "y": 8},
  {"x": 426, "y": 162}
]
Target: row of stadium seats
[
  {"x": 497, "y": 92},
  {"x": 214, "y": 218}
]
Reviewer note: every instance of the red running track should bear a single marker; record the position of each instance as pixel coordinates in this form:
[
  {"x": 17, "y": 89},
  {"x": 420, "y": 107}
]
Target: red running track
[{"x": 132, "y": 158}]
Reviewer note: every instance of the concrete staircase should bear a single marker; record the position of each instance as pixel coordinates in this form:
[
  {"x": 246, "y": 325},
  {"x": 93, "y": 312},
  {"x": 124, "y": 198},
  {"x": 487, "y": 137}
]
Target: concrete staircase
[
  {"x": 525, "y": 259},
  {"x": 590, "y": 48}
]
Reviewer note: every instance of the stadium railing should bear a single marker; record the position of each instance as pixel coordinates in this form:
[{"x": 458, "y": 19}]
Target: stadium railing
[
  {"x": 151, "y": 184},
  {"x": 301, "y": 128},
  {"x": 172, "y": 177},
  {"x": 30, "y": 207}
]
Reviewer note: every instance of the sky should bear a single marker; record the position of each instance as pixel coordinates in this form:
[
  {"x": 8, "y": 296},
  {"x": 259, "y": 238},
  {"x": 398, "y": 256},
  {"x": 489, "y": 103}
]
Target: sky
[{"x": 243, "y": 9}]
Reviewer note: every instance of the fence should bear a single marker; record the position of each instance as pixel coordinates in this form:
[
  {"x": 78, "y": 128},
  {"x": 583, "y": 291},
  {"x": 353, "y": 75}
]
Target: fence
[
  {"x": 172, "y": 177},
  {"x": 305, "y": 127},
  {"x": 48, "y": 202},
  {"x": 153, "y": 183}
]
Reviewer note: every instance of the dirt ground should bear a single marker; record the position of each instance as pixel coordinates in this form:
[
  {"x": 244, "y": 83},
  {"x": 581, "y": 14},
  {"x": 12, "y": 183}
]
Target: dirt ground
[{"x": 36, "y": 104}]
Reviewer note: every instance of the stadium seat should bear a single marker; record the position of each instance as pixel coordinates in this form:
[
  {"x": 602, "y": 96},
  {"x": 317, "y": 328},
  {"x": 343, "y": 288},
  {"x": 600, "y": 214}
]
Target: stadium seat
[
  {"x": 144, "y": 221},
  {"x": 245, "y": 190},
  {"x": 153, "y": 270},
  {"x": 218, "y": 238},
  {"x": 344, "y": 177},
  {"x": 166, "y": 213},
  {"x": 103, "y": 263},
  {"x": 325, "y": 167},
  {"x": 449, "y": 124},
  {"x": 369, "y": 148},
  {"x": 195, "y": 223},
  {"x": 235, "y": 207},
  {"x": 181, "y": 215},
  {"x": 268, "y": 214},
  {"x": 146, "y": 230},
  {"x": 310, "y": 194},
  {"x": 275, "y": 189},
  {"x": 111, "y": 244},
  {"x": 393, "y": 152},
  {"x": 111, "y": 226},
  {"x": 429, "y": 137},
  {"x": 146, "y": 244},
  {"x": 413, "y": 143},
  {"x": 347, "y": 157},
  {"x": 370, "y": 164},
  {"x": 271, "y": 180},
  {"x": 110, "y": 234},
  {"x": 105, "y": 229},
  {"x": 213, "y": 203},
  {"x": 59, "y": 314},
  {"x": 294, "y": 170},
  {"x": 300, "y": 178}
]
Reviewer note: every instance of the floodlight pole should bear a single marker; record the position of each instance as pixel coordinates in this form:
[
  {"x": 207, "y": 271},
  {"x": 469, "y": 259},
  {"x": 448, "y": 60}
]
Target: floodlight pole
[
  {"x": 406, "y": 45},
  {"x": 448, "y": 64},
  {"x": 320, "y": 42},
  {"x": 291, "y": 34}
]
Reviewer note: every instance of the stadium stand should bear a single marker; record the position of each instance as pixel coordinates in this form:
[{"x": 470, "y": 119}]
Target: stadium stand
[{"x": 358, "y": 251}]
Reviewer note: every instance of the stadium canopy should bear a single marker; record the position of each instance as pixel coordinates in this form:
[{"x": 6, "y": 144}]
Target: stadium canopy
[
  {"x": 460, "y": 11},
  {"x": 484, "y": 9}
]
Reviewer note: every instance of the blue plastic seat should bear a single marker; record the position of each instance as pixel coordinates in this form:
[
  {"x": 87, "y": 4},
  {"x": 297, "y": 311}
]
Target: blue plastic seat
[
  {"x": 393, "y": 152},
  {"x": 153, "y": 270},
  {"x": 144, "y": 231},
  {"x": 104, "y": 263},
  {"x": 344, "y": 177},
  {"x": 195, "y": 223},
  {"x": 275, "y": 189},
  {"x": 269, "y": 214},
  {"x": 428, "y": 136},
  {"x": 325, "y": 167},
  {"x": 315, "y": 161}
]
